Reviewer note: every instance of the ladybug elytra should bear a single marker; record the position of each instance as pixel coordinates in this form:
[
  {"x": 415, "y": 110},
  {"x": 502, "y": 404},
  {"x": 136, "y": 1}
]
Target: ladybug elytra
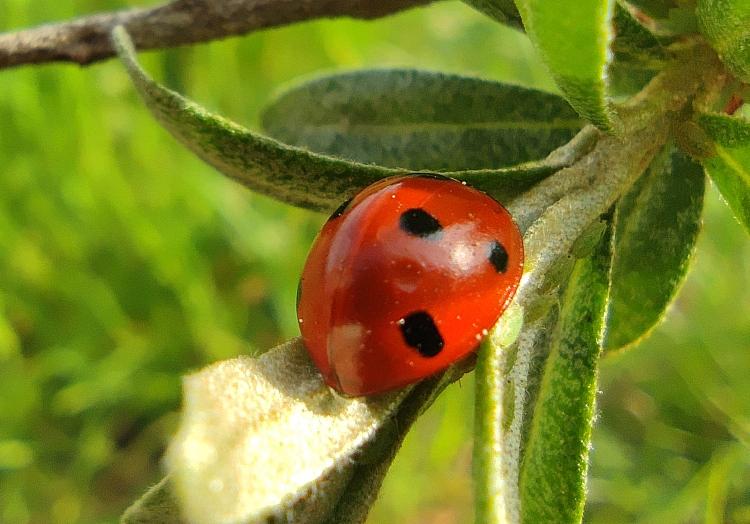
[{"x": 404, "y": 280}]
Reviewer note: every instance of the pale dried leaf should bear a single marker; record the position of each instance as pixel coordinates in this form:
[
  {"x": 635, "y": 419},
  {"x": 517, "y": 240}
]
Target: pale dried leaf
[{"x": 265, "y": 437}]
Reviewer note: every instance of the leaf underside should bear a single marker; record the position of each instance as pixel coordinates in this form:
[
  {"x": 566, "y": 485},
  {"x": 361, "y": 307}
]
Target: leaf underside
[
  {"x": 656, "y": 226},
  {"x": 264, "y": 438}
]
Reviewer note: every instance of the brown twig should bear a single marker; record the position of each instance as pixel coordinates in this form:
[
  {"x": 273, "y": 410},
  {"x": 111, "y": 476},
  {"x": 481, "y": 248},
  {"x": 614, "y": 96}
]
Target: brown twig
[{"x": 86, "y": 40}]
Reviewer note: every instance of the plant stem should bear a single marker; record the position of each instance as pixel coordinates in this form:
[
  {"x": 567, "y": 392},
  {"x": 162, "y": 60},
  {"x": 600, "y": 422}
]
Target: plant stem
[
  {"x": 499, "y": 417},
  {"x": 553, "y": 216}
]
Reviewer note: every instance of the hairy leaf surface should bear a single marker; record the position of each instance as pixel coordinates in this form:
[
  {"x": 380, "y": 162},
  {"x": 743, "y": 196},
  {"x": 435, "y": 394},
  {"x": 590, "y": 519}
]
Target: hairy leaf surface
[
  {"x": 726, "y": 25},
  {"x": 265, "y": 436},
  {"x": 656, "y": 226},
  {"x": 421, "y": 120},
  {"x": 574, "y": 39}
]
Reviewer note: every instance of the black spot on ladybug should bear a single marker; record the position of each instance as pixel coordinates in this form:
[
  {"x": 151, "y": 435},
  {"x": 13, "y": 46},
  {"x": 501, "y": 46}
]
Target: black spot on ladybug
[
  {"x": 498, "y": 257},
  {"x": 418, "y": 222},
  {"x": 340, "y": 210},
  {"x": 421, "y": 333}
]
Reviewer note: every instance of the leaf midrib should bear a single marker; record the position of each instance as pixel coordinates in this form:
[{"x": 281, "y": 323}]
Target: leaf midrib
[
  {"x": 499, "y": 125},
  {"x": 732, "y": 163}
]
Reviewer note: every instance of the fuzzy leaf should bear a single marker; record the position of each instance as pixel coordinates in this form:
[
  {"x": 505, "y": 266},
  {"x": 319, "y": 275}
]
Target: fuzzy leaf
[
  {"x": 262, "y": 164},
  {"x": 504, "y": 11},
  {"x": 656, "y": 226},
  {"x": 265, "y": 436},
  {"x": 421, "y": 120},
  {"x": 295, "y": 175},
  {"x": 726, "y": 25},
  {"x": 573, "y": 38},
  {"x": 729, "y": 165},
  {"x": 553, "y": 476}
]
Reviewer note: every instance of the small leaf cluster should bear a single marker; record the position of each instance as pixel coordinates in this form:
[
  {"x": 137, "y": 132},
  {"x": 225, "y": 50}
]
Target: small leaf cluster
[{"x": 607, "y": 183}]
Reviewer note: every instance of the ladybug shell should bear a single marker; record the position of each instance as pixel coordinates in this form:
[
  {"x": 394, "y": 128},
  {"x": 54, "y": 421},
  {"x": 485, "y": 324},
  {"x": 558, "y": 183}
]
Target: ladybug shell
[{"x": 404, "y": 280}]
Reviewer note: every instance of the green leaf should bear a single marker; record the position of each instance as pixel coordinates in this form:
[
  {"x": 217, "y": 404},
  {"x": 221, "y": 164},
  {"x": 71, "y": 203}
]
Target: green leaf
[
  {"x": 633, "y": 42},
  {"x": 656, "y": 226},
  {"x": 503, "y": 11},
  {"x": 573, "y": 38},
  {"x": 421, "y": 120},
  {"x": 496, "y": 500},
  {"x": 262, "y": 164},
  {"x": 158, "y": 504},
  {"x": 729, "y": 166},
  {"x": 298, "y": 176},
  {"x": 553, "y": 476},
  {"x": 638, "y": 54},
  {"x": 726, "y": 25}
]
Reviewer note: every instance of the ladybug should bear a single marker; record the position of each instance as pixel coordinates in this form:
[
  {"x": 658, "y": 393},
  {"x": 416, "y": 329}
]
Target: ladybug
[{"x": 404, "y": 280}]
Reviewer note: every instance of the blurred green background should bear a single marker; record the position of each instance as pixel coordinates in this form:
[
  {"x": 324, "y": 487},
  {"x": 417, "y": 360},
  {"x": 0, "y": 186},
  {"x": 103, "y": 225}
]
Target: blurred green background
[{"x": 125, "y": 262}]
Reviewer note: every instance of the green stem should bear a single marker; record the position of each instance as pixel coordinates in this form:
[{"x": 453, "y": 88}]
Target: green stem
[
  {"x": 555, "y": 460},
  {"x": 501, "y": 371},
  {"x": 553, "y": 215}
]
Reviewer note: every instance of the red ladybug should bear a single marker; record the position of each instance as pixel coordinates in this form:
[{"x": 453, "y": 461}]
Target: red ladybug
[{"x": 404, "y": 280}]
